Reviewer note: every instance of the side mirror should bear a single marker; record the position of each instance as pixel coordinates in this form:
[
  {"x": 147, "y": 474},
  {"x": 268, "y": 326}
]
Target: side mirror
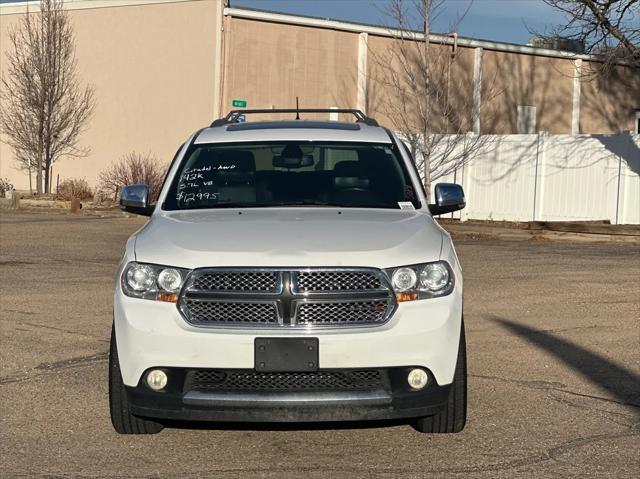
[
  {"x": 134, "y": 199},
  {"x": 449, "y": 197}
]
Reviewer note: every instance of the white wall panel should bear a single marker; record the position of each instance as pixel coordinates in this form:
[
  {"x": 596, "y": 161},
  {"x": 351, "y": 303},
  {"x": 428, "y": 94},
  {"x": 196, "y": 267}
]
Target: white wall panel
[
  {"x": 629, "y": 203},
  {"x": 580, "y": 178},
  {"x": 553, "y": 178},
  {"x": 501, "y": 179}
]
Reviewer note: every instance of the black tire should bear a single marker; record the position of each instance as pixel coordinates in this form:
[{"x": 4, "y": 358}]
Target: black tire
[
  {"x": 123, "y": 421},
  {"x": 454, "y": 415}
]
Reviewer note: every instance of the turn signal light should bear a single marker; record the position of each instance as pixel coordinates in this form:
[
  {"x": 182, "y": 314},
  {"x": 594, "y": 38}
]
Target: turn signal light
[
  {"x": 167, "y": 297},
  {"x": 406, "y": 296}
]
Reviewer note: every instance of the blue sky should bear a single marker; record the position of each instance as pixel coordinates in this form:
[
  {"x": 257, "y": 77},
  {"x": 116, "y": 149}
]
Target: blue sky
[{"x": 499, "y": 20}]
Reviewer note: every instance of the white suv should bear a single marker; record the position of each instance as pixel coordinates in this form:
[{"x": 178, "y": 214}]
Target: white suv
[{"x": 290, "y": 271}]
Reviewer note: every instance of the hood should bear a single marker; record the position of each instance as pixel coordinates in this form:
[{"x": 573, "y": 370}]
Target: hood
[{"x": 289, "y": 237}]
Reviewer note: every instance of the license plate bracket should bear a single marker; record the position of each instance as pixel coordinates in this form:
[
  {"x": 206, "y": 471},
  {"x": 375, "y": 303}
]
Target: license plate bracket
[{"x": 286, "y": 354}]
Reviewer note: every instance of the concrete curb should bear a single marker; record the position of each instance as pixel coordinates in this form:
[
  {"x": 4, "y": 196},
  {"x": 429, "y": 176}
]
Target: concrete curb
[{"x": 517, "y": 234}]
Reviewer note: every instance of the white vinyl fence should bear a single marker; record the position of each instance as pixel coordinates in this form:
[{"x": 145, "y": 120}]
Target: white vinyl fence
[{"x": 548, "y": 177}]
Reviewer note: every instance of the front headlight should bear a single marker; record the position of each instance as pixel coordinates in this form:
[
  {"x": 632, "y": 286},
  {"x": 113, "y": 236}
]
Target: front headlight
[
  {"x": 404, "y": 279},
  {"x": 152, "y": 281},
  {"x": 140, "y": 277},
  {"x": 421, "y": 281},
  {"x": 434, "y": 277}
]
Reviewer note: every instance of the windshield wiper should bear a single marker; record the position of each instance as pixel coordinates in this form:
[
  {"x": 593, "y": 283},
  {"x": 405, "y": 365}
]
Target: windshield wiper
[
  {"x": 226, "y": 205},
  {"x": 286, "y": 204},
  {"x": 339, "y": 205},
  {"x": 265, "y": 204},
  {"x": 311, "y": 203}
]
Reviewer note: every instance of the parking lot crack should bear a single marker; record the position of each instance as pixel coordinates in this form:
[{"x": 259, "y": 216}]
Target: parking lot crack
[
  {"x": 557, "y": 451},
  {"x": 553, "y": 453},
  {"x": 532, "y": 383},
  {"x": 72, "y": 362},
  {"x": 19, "y": 311},
  {"x": 54, "y": 366},
  {"x": 555, "y": 386},
  {"x": 67, "y": 331},
  {"x": 611, "y": 415},
  {"x": 600, "y": 398}
]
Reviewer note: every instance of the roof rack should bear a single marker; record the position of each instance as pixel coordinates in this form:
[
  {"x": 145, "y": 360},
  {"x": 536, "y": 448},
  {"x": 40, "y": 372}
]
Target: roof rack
[{"x": 234, "y": 115}]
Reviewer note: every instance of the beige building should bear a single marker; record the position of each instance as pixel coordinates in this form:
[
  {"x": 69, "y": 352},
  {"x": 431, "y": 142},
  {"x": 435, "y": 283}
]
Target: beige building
[{"x": 164, "y": 68}]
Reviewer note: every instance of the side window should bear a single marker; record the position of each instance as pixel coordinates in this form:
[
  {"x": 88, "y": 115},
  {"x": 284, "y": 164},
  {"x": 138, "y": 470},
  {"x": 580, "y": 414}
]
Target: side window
[{"x": 166, "y": 175}]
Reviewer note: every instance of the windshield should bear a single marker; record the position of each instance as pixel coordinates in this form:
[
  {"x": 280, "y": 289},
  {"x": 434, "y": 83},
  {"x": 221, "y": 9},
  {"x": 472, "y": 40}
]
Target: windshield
[{"x": 252, "y": 175}]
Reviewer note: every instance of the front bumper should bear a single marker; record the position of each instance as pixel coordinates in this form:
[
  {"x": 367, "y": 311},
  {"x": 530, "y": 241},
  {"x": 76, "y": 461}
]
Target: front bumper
[
  {"x": 421, "y": 333},
  {"x": 391, "y": 399}
]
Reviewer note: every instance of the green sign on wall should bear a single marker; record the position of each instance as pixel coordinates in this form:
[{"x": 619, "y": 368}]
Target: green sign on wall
[{"x": 239, "y": 103}]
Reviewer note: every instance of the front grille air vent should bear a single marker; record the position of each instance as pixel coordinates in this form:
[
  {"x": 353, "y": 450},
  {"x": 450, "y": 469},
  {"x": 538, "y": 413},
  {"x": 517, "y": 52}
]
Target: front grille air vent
[
  {"x": 229, "y": 281},
  {"x": 332, "y": 281},
  {"x": 322, "y": 297},
  {"x": 342, "y": 312},
  {"x": 205, "y": 311},
  {"x": 249, "y": 380}
]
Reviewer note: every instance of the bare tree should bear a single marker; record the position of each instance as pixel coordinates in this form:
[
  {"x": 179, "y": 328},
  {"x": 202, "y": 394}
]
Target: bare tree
[
  {"x": 134, "y": 168},
  {"x": 74, "y": 188},
  {"x": 44, "y": 107},
  {"x": 429, "y": 95},
  {"x": 607, "y": 28}
]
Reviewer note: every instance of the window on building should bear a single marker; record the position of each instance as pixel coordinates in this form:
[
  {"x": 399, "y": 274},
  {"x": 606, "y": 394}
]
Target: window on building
[
  {"x": 526, "y": 119},
  {"x": 637, "y": 123}
]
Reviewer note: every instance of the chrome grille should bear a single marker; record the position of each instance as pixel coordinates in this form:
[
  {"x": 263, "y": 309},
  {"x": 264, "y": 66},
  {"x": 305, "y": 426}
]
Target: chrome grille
[
  {"x": 249, "y": 380},
  {"x": 206, "y": 311},
  {"x": 272, "y": 297},
  {"x": 342, "y": 312},
  {"x": 329, "y": 281},
  {"x": 259, "y": 281}
]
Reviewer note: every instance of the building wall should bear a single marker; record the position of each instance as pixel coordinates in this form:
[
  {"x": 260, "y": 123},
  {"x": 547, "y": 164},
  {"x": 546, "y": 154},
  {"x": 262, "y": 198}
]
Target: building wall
[
  {"x": 152, "y": 67},
  {"x": 269, "y": 64},
  {"x": 509, "y": 80},
  {"x": 607, "y": 104},
  {"x": 452, "y": 82}
]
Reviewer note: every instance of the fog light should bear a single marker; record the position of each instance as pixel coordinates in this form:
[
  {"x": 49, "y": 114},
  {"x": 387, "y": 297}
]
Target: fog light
[
  {"x": 417, "y": 378},
  {"x": 156, "y": 379}
]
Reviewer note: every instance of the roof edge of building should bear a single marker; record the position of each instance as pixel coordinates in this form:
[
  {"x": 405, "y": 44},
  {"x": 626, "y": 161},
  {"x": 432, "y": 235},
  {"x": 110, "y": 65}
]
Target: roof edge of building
[
  {"x": 12, "y": 8},
  {"x": 286, "y": 18},
  {"x": 309, "y": 21}
]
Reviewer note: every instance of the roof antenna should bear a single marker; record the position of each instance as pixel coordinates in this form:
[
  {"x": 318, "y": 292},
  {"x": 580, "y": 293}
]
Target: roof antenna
[{"x": 297, "y": 109}]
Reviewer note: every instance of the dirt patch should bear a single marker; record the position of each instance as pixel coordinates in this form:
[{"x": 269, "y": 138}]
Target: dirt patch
[{"x": 472, "y": 235}]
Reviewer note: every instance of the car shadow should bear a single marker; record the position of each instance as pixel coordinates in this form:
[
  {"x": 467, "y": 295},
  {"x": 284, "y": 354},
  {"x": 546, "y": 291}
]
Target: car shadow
[
  {"x": 278, "y": 426},
  {"x": 619, "y": 382}
]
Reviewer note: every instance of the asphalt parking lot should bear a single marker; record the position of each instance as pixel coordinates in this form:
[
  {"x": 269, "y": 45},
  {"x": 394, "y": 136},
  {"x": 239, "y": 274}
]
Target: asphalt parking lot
[{"x": 553, "y": 332}]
